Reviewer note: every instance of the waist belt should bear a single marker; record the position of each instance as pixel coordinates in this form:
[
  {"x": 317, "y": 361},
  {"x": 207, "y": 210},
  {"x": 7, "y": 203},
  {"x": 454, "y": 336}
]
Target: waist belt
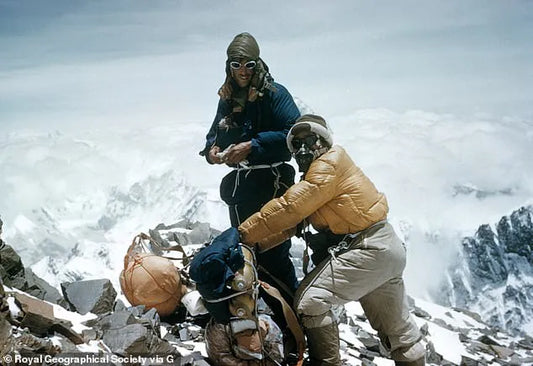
[
  {"x": 350, "y": 240},
  {"x": 244, "y": 166},
  {"x": 248, "y": 168}
]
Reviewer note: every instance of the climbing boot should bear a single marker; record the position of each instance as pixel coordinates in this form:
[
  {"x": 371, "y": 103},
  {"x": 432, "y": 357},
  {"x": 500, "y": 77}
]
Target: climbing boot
[
  {"x": 324, "y": 345},
  {"x": 419, "y": 362},
  {"x": 414, "y": 355}
]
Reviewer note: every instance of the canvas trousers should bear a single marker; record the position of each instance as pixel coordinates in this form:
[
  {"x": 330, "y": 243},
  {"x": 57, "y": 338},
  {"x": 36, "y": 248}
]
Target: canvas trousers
[{"x": 370, "y": 271}]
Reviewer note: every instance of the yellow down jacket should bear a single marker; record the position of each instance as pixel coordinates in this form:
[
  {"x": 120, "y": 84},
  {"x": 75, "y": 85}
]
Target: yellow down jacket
[{"x": 335, "y": 194}]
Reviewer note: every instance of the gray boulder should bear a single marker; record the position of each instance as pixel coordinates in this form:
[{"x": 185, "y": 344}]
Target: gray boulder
[
  {"x": 200, "y": 233},
  {"x": 5, "y": 326},
  {"x": 135, "y": 339},
  {"x": 13, "y": 274},
  {"x": 94, "y": 296},
  {"x": 116, "y": 320}
]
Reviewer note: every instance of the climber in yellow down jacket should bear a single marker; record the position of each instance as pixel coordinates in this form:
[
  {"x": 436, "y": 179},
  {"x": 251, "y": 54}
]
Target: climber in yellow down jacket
[{"x": 364, "y": 258}]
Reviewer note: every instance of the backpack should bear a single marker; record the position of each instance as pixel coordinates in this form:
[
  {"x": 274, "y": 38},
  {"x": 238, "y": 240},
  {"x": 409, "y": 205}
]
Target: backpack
[{"x": 150, "y": 280}]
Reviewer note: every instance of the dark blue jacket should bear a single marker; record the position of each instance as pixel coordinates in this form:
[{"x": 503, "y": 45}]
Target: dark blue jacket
[
  {"x": 213, "y": 267},
  {"x": 265, "y": 122}
]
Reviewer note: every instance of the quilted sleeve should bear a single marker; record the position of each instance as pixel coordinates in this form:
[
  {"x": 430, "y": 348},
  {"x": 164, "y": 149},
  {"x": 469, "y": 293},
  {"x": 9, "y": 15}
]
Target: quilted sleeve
[{"x": 278, "y": 218}]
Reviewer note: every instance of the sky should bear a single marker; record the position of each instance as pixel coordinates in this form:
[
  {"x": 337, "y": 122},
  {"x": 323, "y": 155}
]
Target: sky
[
  {"x": 86, "y": 64},
  {"x": 433, "y": 99}
]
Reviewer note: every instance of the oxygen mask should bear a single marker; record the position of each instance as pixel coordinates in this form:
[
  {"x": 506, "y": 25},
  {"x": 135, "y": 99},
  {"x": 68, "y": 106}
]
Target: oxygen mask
[{"x": 305, "y": 153}]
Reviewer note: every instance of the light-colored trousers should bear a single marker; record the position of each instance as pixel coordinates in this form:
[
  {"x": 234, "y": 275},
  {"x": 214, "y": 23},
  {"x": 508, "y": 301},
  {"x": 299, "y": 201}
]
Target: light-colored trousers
[{"x": 370, "y": 272}]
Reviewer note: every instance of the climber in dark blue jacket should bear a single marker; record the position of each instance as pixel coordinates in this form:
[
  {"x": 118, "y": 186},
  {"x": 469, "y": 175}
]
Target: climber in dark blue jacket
[
  {"x": 263, "y": 124},
  {"x": 249, "y": 135}
]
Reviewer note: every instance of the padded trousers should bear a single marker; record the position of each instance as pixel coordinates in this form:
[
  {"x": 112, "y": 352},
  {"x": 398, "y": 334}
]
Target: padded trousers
[{"x": 369, "y": 272}]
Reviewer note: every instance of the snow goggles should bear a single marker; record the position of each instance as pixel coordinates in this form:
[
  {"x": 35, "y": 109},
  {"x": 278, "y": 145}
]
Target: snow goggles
[
  {"x": 307, "y": 141},
  {"x": 236, "y": 65}
]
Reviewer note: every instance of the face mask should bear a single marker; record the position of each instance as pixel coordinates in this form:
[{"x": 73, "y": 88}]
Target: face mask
[{"x": 304, "y": 157}]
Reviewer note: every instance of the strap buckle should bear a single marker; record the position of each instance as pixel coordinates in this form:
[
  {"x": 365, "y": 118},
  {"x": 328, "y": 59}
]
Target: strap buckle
[{"x": 341, "y": 246}]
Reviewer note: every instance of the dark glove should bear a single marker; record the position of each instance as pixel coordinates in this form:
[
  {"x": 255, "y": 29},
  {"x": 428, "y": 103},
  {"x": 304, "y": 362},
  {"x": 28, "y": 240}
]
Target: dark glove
[{"x": 319, "y": 244}]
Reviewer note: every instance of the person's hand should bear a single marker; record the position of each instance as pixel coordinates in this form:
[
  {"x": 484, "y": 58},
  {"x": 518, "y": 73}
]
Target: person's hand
[
  {"x": 225, "y": 91},
  {"x": 238, "y": 153},
  {"x": 213, "y": 155}
]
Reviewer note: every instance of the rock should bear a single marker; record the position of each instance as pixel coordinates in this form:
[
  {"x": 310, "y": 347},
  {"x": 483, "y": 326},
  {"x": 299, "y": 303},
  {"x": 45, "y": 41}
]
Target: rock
[
  {"x": 370, "y": 355},
  {"x": 467, "y": 361},
  {"x": 200, "y": 362},
  {"x": 29, "y": 344},
  {"x": 115, "y": 320},
  {"x": 181, "y": 238},
  {"x": 502, "y": 352},
  {"x": 38, "y": 315},
  {"x": 471, "y": 314},
  {"x": 94, "y": 296},
  {"x": 200, "y": 233},
  {"x": 135, "y": 339},
  {"x": 485, "y": 257},
  {"x": 432, "y": 356},
  {"x": 526, "y": 342},
  {"x": 516, "y": 233},
  {"x": 475, "y": 347},
  {"x": 156, "y": 236},
  {"x": 137, "y": 310},
  {"x": 39, "y": 318},
  {"x": 463, "y": 337},
  {"x": 184, "y": 334},
  {"x": 370, "y": 342},
  {"x": 487, "y": 261},
  {"x": 67, "y": 346},
  {"x": 366, "y": 362},
  {"x": 194, "y": 359},
  {"x": 443, "y": 324},
  {"x": 151, "y": 320},
  {"x": 89, "y": 335},
  {"x": 14, "y": 275},
  {"x": 488, "y": 341},
  {"x": 119, "y": 306},
  {"x": 5, "y": 326},
  {"x": 12, "y": 269},
  {"x": 519, "y": 361},
  {"x": 424, "y": 329},
  {"x": 421, "y": 313},
  {"x": 41, "y": 289}
]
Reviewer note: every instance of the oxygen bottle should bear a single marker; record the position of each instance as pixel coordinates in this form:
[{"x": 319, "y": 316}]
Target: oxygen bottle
[
  {"x": 243, "y": 306},
  {"x": 244, "y": 278}
]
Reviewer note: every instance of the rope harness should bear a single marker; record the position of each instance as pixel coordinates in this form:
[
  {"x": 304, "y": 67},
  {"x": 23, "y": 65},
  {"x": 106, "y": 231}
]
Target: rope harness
[{"x": 243, "y": 166}]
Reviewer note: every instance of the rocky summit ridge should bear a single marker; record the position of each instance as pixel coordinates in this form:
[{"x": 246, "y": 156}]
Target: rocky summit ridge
[{"x": 89, "y": 321}]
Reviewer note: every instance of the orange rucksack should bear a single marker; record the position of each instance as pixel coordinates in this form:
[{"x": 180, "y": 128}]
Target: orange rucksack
[{"x": 150, "y": 280}]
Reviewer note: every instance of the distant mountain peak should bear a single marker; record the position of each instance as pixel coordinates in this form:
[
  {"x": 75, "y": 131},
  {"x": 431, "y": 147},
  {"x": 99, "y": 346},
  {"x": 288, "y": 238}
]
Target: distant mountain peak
[{"x": 494, "y": 274}]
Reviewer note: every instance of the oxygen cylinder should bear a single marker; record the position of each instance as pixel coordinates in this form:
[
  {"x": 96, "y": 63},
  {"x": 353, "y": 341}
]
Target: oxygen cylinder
[
  {"x": 243, "y": 306},
  {"x": 244, "y": 277}
]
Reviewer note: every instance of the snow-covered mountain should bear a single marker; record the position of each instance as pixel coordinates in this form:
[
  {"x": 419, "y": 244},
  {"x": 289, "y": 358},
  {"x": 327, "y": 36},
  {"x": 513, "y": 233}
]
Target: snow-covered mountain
[
  {"x": 493, "y": 275},
  {"x": 87, "y": 236}
]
